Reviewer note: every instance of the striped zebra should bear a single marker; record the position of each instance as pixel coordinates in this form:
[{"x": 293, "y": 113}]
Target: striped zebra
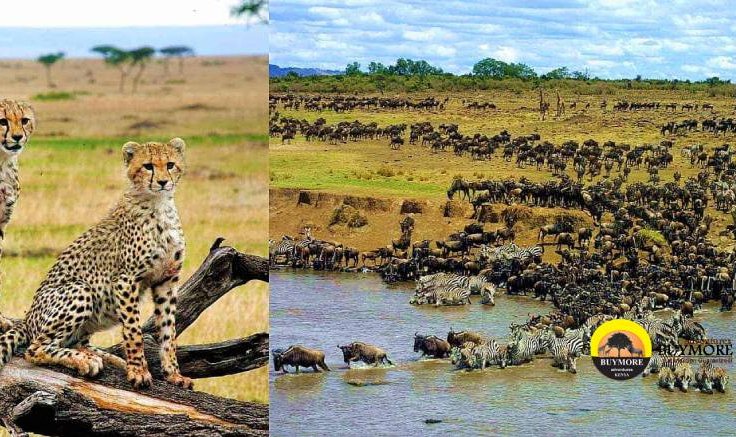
[
  {"x": 488, "y": 352},
  {"x": 684, "y": 375},
  {"x": 510, "y": 251},
  {"x": 449, "y": 295},
  {"x": 581, "y": 334},
  {"x": 708, "y": 377},
  {"x": 525, "y": 345},
  {"x": 565, "y": 351},
  {"x": 284, "y": 248},
  {"x": 461, "y": 357},
  {"x": 692, "y": 330},
  {"x": 476, "y": 284},
  {"x": 595, "y": 321},
  {"x": 452, "y": 295},
  {"x": 658, "y": 361},
  {"x": 662, "y": 333}
]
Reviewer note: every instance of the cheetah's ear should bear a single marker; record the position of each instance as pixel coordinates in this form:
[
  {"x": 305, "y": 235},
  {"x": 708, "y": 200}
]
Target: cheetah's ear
[
  {"x": 129, "y": 149},
  {"x": 178, "y": 144}
]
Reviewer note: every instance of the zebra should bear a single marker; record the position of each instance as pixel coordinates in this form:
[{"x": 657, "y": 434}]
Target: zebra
[
  {"x": 487, "y": 295},
  {"x": 510, "y": 251},
  {"x": 684, "y": 375},
  {"x": 662, "y": 334},
  {"x": 692, "y": 330},
  {"x": 595, "y": 321},
  {"x": 462, "y": 357},
  {"x": 525, "y": 345},
  {"x": 565, "y": 351},
  {"x": 658, "y": 362},
  {"x": 475, "y": 284},
  {"x": 708, "y": 377},
  {"x": 285, "y": 247},
  {"x": 582, "y": 334},
  {"x": 451, "y": 296},
  {"x": 485, "y": 353}
]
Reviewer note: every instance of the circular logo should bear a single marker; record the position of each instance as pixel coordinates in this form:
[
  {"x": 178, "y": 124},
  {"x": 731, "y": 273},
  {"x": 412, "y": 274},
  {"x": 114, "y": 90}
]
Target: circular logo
[{"x": 620, "y": 349}]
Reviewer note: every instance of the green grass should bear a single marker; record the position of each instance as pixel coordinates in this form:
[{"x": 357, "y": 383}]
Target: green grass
[
  {"x": 346, "y": 174},
  {"x": 196, "y": 140},
  {"x": 54, "y": 96}
]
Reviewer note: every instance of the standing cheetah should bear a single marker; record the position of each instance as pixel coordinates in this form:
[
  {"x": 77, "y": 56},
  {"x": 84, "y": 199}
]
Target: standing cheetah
[{"x": 99, "y": 280}]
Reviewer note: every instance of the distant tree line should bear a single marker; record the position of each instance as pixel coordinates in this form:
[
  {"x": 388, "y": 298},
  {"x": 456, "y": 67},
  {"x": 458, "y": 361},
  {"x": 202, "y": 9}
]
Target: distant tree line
[
  {"x": 127, "y": 61},
  {"x": 407, "y": 75},
  {"x": 489, "y": 68}
]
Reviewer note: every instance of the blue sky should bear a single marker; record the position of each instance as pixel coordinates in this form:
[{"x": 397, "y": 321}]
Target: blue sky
[
  {"x": 608, "y": 38},
  {"x": 34, "y": 27}
]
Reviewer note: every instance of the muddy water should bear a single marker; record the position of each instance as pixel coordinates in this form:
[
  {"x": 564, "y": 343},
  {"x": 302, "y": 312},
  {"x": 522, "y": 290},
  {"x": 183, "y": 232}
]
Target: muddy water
[{"x": 321, "y": 310}]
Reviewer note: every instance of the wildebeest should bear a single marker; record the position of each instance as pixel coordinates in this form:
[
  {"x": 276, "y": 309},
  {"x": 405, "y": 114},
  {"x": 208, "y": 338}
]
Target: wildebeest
[
  {"x": 296, "y": 356},
  {"x": 359, "y": 351},
  {"x": 431, "y": 345},
  {"x": 457, "y": 339}
]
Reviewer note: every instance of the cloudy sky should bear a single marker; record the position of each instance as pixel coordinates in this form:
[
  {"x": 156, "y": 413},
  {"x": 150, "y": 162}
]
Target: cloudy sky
[
  {"x": 688, "y": 39},
  {"x": 33, "y": 27}
]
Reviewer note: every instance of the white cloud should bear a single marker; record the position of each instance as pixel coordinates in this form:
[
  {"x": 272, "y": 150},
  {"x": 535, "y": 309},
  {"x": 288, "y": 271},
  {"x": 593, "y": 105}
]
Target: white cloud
[
  {"x": 443, "y": 51},
  {"x": 332, "y": 13},
  {"x": 86, "y": 13},
  {"x": 724, "y": 62},
  {"x": 507, "y": 54},
  {"x": 431, "y": 34}
]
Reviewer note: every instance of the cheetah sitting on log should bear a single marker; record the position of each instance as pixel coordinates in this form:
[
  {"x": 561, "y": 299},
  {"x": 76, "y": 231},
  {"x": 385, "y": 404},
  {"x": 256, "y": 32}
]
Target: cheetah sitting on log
[{"x": 99, "y": 280}]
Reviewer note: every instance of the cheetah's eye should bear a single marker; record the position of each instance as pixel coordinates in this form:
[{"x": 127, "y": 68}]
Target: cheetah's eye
[
  {"x": 148, "y": 166},
  {"x": 3, "y": 121},
  {"x": 25, "y": 120},
  {"x": 169, "y": 165}
]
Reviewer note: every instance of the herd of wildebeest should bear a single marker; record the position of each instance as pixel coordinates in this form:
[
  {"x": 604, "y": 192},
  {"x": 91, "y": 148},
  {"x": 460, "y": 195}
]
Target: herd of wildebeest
[{"x": 650, "y": 246}]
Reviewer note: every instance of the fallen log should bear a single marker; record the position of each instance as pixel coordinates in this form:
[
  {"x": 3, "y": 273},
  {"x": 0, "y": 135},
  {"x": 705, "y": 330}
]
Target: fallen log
[{"x": 54, "y": 401}]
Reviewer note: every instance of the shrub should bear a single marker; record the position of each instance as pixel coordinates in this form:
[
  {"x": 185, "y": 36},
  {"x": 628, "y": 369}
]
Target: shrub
[{"x": 54, "y": 96}]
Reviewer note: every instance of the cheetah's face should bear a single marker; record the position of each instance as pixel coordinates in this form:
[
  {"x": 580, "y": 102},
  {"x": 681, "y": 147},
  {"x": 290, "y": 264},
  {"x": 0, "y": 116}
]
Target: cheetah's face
[
  {"x": 17, "y": 121},
  {"x": 155, "y": 168}
]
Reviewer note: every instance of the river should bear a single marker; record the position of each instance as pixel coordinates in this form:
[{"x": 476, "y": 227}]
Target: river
[{"x": 321, "y": 310}]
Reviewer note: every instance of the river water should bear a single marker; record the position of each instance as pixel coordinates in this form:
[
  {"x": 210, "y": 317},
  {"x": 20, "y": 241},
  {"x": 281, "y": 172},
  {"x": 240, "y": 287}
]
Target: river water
[{"x": 321, "y": 310}]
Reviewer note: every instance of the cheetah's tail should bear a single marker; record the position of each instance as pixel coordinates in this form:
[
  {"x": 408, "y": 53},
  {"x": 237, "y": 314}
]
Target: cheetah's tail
[{"x": 10, "y": 341}]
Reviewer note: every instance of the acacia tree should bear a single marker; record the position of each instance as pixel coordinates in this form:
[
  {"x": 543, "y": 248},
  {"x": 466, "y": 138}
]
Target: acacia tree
[
  {"x": 140, "y": 57},
  {"x": 117, "y": 58},
  {"x": 353, "y": 69},
  {"x": 48, "y": 61},
  {"x": 177, "y": 52}
]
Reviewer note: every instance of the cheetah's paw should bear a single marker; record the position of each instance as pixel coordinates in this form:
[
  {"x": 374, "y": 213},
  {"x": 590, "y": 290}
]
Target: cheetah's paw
[
  {"x": 139, "y": 376},
  {"x": 180, "y": 380}
]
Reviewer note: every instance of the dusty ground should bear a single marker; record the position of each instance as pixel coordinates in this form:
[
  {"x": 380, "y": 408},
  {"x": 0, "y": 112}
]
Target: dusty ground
[
  {"x": 372, "y": 169},
  {"x": 71, "y": 173}
]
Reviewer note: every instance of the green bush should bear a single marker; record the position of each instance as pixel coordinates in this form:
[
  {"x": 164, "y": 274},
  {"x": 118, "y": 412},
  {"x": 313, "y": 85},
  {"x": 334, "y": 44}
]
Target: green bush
[{"x": 54, "y": 96}]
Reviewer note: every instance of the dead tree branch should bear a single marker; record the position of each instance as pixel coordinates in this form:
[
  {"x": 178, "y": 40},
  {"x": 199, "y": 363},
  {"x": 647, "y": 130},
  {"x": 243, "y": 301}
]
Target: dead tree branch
[{"x": 53, "y": 401}]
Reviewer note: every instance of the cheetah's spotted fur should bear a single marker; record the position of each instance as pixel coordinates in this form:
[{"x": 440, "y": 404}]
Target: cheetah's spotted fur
[
  {"x": 17, "y": 122},
  {"x": 99, "y": 279}
]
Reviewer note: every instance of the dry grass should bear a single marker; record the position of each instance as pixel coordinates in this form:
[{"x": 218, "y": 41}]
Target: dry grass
[
  {"x": 353, "y": 168},
  {"x": 71, "y": 173}
]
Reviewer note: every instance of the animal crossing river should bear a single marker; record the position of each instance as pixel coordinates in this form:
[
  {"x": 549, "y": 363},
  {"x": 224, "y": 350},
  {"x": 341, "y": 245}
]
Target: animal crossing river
[{"x": 321, "y": 310}]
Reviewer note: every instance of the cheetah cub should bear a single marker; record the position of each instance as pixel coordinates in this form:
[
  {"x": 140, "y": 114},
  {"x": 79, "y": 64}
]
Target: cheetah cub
[
  {"x": 17, "y": 121},
  {"x": 99, "y": 280}
]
